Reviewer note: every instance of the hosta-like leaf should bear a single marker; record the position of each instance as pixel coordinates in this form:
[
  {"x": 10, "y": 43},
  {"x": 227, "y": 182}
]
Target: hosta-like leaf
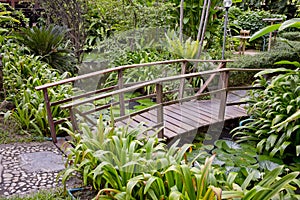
[
  {"x": 271, "y": 141},
  {"x": 286, "y": 62},
  {"x": 277, "y": 186},
  {"x": 277, "y": 119},
  {"x": 264, "y": 31},
  {"x": 283, "y": 147},
  {"x": 293, "y": 117},
  {"x": 268, "y": 165},
  {"x": 295, "y": 22}
]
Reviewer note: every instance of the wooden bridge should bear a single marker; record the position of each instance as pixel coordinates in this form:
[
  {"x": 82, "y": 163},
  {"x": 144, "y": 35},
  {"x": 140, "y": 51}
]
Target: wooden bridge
[{"x": 192, "y": 108}]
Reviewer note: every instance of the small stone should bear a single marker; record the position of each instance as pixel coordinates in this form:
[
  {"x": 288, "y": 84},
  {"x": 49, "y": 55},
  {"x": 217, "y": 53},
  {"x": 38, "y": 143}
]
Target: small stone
[
  {"x": 7, "y": 175},
  {"x": 21, "y": 184}
]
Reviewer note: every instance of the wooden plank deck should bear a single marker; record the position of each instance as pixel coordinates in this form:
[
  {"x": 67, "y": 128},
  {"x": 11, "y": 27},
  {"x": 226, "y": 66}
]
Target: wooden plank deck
[{"x": 185, "y": 117}]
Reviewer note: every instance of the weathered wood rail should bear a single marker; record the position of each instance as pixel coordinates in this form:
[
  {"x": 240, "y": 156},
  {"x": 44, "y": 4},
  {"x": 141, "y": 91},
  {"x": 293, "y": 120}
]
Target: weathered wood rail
[{"x": 120, "y": 89}]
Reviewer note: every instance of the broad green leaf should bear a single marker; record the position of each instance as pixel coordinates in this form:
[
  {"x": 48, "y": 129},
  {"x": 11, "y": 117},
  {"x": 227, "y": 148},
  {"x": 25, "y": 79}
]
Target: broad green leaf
[
  {"x": 286, "y": 62},
  {"x": 297, "y": 150},
  {"x": 264, "y": 31},
  {"x": 278, "y": 186},
  {"x": 186, "y": 20},
  {"x": 268, "y": 165},
  {"x": 270, "y": 71},
  {"x": 271, "y": 141},
  {"x": 295, "y": 22},
  {"x": 293, "y": 117}
]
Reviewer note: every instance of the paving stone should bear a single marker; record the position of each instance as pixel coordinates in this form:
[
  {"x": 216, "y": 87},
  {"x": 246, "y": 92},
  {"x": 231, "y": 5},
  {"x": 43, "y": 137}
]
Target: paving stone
[
  {"x": 41, "y": 161},
  {"x": 29, "y": 167}
]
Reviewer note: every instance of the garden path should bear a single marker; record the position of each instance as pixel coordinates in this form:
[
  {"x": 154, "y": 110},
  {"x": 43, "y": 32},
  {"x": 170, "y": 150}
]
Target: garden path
[{"x": 29, "y": 167}]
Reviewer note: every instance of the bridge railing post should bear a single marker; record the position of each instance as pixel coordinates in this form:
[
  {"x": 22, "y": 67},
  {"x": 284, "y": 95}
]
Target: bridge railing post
[
  {"x": 49, "y": 115},
  {"x": 160, "y": 112},
  {"x": 121, "y": 95},
  {"x": 182, "y": 80},
  {"x": 224, "y": 77}
]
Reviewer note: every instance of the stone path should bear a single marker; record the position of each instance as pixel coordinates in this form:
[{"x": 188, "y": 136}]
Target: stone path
[{"x": 26, "y": 168}]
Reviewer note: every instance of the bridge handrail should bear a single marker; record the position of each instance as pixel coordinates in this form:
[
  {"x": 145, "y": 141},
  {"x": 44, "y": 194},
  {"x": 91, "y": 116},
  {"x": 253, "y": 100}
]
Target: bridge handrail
[
  {"x": 121, "y": 68},
  {"x": 156, "y": 81}
]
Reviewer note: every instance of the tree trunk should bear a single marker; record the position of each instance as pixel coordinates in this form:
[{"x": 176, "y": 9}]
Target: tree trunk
[{"x": 181, "y": 21}]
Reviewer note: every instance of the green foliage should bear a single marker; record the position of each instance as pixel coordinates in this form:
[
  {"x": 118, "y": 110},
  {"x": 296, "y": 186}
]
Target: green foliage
[
  {"x": 5, "y": 20},
  {"x": 11, "y": 19},
  {"x": 292, "y": 23},
  {"x": 192, "y": 17},
  {"x": 239, "y": 159},
  {"x": 272, "y": 186},
  {"x": 22, "y": 73},
  {"x": 281, "y": 51},
  {"x": 47, "y": 42},
  {"x": 110, "y": 159},
  {"x": 182, "y": 49},
  {"x": 275, "y": 127},
  {"x": 105, "y": 18},
  {"x": 122, "y": 164},
  {"x": 275, "y": 6},
  {"x": 56, "y": 194},
  {"x": 292, "y": 36},
  {"x": 251, "y": 20},
  {"x": 145, "y": 73}
]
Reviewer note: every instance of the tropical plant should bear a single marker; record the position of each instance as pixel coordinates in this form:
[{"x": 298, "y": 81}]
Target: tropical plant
[
  {"x": 109, "y": 158},
  {"x": 177, "y": 182},
  {"x": 69, "y": 14},
  {"x": 107, "y": 18},
  {"x": 5, "y": 17},
  {"x": 271, "y": 186},
  {"x": 47, "y": 42},
  {"x": 22, "y": 73},
  {"x": 292, "y": 23},
  {"x": 275, "y": 111}
]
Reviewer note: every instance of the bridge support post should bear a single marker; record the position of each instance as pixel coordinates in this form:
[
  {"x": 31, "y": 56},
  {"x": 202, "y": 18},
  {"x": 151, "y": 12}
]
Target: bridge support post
[
  {"x": 160, "y": 112},
  {"x": 49, "y": 115},
  {"x": 224, "y": 76},
  {"x": 182, "y": 81},
  {"x": 121, "y": 95}
]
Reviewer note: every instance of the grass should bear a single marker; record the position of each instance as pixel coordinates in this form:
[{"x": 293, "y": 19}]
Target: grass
[
  {"x": 11, "y": 132},
  {"x": 57, "y": 194}
]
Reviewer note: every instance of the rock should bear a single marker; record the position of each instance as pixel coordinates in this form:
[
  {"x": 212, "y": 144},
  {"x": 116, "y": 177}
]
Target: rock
[{"x": 7, "y": 105}]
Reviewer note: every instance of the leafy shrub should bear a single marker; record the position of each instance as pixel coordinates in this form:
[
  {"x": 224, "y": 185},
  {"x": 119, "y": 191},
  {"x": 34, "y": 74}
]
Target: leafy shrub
[
  {"x": 47, "y": 42},
  {"x": 271, "y": 186},
  {"x": 121, "y": 164},
  {"x": 250, "y": 20},
  {"x": 109, "y": 158},
  {"x": 10, "y": 18},
  {"x": 22, "y": 73},
  {"x": 293, "y": 36},
  {"x": 281, "y": 51},
  {"x": 142, "y": 74},
  {"x": 275, "y": 116},
  {"x": 107, "y": 18}
]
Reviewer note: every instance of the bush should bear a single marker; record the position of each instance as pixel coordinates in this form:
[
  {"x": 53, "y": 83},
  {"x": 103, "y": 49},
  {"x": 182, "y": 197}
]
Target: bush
[
  {"x": 48, "y": 43},
  {"x": 281, "y": 51},
  {"x": 275, "y": 113},
  {"x": 122, "y": 164},
  {"x": 22, "y": 73},
  {"x": 293, "y": 36},
  {"x": 109, "y": 158}
]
